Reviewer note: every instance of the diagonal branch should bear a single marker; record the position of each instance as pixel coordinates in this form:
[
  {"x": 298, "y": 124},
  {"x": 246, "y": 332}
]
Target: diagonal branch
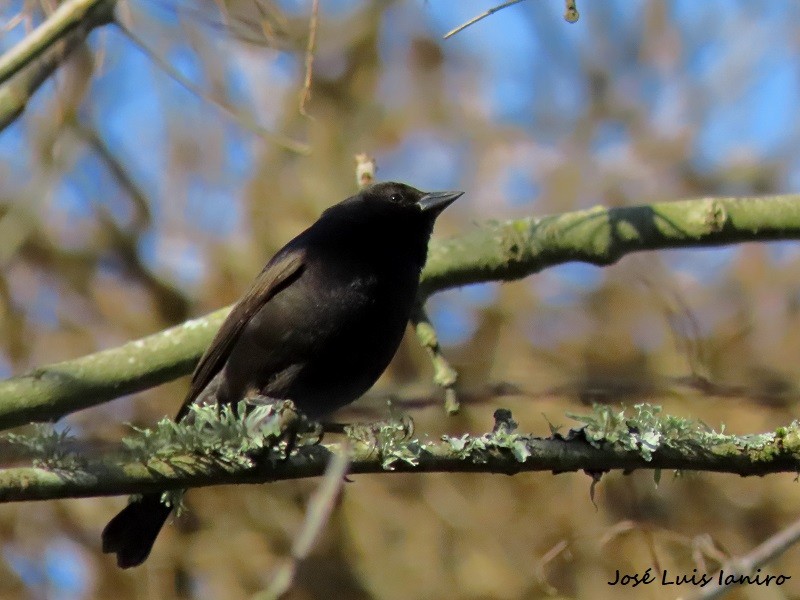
[
  {"x": 48, "y": 393},
  {"x": 244, "y": 120},
  {"x": 15, "y": 94},
  {"x": 318, "y": 514},
  {"x": 480, "y": 17},
  {"x": 761, "y": 555},
  {"x": 71, "y": 15},
  {"x": 495, "y": 251}
]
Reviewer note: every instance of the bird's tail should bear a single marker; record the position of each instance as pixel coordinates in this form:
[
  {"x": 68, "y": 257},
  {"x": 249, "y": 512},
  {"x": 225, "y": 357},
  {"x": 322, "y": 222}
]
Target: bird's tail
[{"x": 132, "y": 533}]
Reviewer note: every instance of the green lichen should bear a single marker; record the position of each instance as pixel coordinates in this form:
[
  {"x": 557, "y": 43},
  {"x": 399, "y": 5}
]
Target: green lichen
[
  {"x": 222, "y": 434},
  {"x": 648, "y": 430},
  {"x": 390, "y": 439},
  {"x": 789, "y": 438},
  {"x": 47, "y": 447},
  {"x": 644, "y": 432},
  {"x": 503, "y": 438}
]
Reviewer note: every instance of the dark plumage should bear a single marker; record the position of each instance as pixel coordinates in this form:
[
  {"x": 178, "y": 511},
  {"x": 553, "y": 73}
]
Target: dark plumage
[{"x": 318, "y": 326}]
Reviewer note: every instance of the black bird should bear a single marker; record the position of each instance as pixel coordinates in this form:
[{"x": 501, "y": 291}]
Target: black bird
[{"x": 318, "y": 326}]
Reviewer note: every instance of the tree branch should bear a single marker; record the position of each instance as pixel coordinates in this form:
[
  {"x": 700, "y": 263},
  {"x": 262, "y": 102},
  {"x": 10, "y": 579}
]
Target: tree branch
[
  {"x": 444, "y": 375},
  {"x": 496, "y": 251},
  {"x": 83, "y": 15},
  {"x": 761, "y": 555},
  {"x": 49, "y": 393},
  {"x": 15, "y": 94},
  {"x": 211, "y": 455},
  {"x": 601, "y": 236},
  {"x": 480, "y": 17}
]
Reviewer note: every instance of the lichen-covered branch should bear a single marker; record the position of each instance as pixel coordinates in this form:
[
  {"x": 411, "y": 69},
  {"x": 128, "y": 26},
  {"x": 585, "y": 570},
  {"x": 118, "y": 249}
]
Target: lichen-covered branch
[
  {"x": 444, "y": 375},
  {"x": 601, "y": 236},
  {"x": 211, "y": 454},
  {"x": 50, "y": 392},
  {"x": 493, "y": 252}
]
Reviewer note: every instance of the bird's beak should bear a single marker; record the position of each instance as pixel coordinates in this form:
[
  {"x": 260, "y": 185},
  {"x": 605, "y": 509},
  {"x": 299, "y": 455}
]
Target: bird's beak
[{"x": 437, "y": 201}]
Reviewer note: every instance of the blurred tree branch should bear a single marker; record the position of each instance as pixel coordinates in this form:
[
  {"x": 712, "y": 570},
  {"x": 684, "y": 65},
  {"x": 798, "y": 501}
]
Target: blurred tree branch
[
  {"x": 71, "y": 16},
  {"x": 763, "y": 554},
  {"x": 15, "y": 94},
  {"x": 244, "y": 120},
  {"x": 170, "y": 301},
  {"x": 320, "y": 506},
  {"x": 27, "y": 65},
  {"x": 494, "y": 252},
  {"x": 213, "y": 454}
]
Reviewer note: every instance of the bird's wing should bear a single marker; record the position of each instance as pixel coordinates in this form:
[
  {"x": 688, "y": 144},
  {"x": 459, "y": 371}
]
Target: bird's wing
[{"x": 279, "y": 272}]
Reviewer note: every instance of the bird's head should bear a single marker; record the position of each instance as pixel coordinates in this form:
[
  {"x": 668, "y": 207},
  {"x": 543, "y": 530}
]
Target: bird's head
[
  {"x": 404, "y": 199},
  {"x": 391, "y": 220}
]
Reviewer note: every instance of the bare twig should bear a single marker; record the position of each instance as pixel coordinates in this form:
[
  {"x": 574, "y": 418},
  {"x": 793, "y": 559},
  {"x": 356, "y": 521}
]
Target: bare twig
[
  {"x": 759, "y": 556},
  {"x": 244, "y": 120},
  {"x": 23, "y": 17},
  {"x": 318, "y": 514},
  {"x": 560, "y": 548},
  {"x": 365, "y": 170},
  {"x": 141, "y": 204},
  {"x": 305, "y": 93},
  {"x": 480, "y": 17},
  {"x": 571, "y": 14}
]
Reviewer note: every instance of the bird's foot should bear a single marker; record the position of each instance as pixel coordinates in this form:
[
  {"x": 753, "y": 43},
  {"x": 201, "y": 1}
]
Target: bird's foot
[
  {"x": 289, "y": 427},
  {"x": 391, "y": 440},
  {"x": 380, "y": 432}
]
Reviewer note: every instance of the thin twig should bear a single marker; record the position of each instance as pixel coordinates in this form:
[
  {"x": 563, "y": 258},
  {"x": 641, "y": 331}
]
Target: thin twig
[
  {"x": 759, "y": 556},
  {"x": 365, "y": 170},
  {"x": 23, "y": 17},
  {"x": 571, "y": 14},
  {"x": 244, "y": 120},
  {"x": 481, "y": 16},
  {"x": 561, "y": 547},
  {"x": 305, "y": 93},
  {"x": 444, "y": 375},
  {"x": 318, "y": 514},
  {"x": 142, "y": 216}
]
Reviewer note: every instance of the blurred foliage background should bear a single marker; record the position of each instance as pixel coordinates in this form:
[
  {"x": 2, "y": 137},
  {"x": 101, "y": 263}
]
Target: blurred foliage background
[{"x": 150, "y": 180}]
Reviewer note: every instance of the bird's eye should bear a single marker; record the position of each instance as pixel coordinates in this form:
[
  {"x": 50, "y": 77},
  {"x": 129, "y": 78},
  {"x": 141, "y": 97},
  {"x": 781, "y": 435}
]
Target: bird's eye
[{"x": 395, "y": 198}]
